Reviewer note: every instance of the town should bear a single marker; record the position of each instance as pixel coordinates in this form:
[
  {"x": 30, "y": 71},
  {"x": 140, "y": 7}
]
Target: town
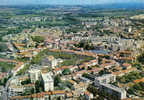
[{"x": 71, "y": 53}]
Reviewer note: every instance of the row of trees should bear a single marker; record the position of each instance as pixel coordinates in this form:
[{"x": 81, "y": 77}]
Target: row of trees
[{"x": 87, "y": 45}]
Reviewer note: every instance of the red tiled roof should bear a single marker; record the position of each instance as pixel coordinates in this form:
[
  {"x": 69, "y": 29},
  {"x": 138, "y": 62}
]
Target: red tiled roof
[{"x": 139, "y": 80}]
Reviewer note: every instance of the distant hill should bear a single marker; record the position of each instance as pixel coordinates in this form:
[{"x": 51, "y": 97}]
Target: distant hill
[{"x": 132, "y": 5}]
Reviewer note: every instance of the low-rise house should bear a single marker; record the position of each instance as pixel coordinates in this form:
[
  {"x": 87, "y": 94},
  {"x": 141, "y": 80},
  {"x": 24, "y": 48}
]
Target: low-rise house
[
  {"x": 126, "y": 65},
  {"x": 81, "y": 87},
  {"x": 123, "y": 72},
  {"x": 58, "y": 93},
  {"x": 94, "y": 62},
  {"x": 79, "y": 73},
  {"x": 38, "y": 96},
  {"x": 95, "y": 70},
  {"x": 125, "y": 59},
  {"x": 106, "y": 65},
  {"x": 42, "y": 96},
  {"x": 139, "y": 80}
]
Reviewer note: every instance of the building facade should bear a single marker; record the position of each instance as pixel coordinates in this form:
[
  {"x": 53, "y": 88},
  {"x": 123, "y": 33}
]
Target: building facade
[{"x": 48, "y": 82}]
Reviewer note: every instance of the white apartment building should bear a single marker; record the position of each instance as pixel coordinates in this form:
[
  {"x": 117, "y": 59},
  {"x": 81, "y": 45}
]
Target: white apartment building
[
  {"x": 48, "y": 82},
  {"x": 107, "y": 78},
  {"x": 14, "y": 90},
  {"x": 34, "y": 75},
  {"x": 120, "y": 93}
]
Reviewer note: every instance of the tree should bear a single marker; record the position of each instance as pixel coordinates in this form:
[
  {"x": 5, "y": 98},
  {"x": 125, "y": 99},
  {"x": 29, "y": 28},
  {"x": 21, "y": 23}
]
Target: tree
[
  {"x": 28, "y": 81},
  {"x": 92, "y": 89},
  {"x": 85, "y": 75},
  {"x": 105, "y": 71},
  {"x": 130, "y": 90},
  {"x": 39, "y": 86},
  {"x": 38, "y": 39},
  {"x": 87, "y": 45},
  {"x": 66, "y": 71},
  {"x": 140, "y": 58},
  {"x": 57, "y": 80}
]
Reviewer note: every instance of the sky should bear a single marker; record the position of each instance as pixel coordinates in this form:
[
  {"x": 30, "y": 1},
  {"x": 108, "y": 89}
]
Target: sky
[{"x": 65, "y": 2}]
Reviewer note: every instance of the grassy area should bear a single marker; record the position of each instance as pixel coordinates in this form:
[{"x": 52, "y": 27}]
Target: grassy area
[
  {"x": 5, "y": 66},
  {"x": 69, "y": 58}
]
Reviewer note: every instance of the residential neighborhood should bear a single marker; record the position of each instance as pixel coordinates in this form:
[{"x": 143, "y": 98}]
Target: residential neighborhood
[{"x": 63, "y": 53}]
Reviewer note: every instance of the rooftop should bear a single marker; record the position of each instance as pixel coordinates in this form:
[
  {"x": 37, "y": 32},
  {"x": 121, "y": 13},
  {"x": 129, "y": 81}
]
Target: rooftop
[
  {"x": 46, "y": 77},
  {"x": 113, "y": 87}
]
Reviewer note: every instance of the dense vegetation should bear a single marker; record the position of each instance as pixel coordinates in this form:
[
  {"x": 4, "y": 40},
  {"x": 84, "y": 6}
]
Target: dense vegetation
[
  {"x": 38, "y": 39},
  {"x": 15, "y": 19},
  {"x": 140, "y": 58},
  {"x": 130, "y": 77},
  {"x": 87, "y": 45},
  {"x": 66, "y": 71},
  {"x": 137, "y": 89}
]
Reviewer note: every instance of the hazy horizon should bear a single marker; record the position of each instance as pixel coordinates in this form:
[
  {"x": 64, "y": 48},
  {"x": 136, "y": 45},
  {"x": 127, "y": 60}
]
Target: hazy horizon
[{"x": 66, "y": 2}]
